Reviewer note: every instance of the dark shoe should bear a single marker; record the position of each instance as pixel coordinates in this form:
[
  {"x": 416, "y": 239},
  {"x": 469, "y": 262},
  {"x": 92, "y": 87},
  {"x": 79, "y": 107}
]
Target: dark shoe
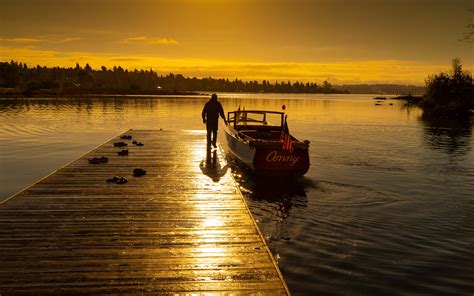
[
  {"x": 104, "y": 159},
  {"x": 94, "y": 160},
  {"x": 138, "y": 143},
  {"x": 134, "y": 142},
  {"x": 117, "y": 180},
  {"x": 139, "y": 172},
  {"x": 113, "y": 180},
  {"x": 121, "y": 180},
  {"x": 126, "y": 137},
  {"x": 120, "y": 144},
  {"x": 123, "y": 152}
]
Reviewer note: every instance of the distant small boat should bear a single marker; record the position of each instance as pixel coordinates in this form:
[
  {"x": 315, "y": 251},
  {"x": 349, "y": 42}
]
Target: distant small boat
[
  {"x": 254, "y": 138},
  {"x": 379, "y": 98}
]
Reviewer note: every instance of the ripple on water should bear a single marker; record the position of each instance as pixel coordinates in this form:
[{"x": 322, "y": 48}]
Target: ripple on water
[{"x": 359, "y": 238}]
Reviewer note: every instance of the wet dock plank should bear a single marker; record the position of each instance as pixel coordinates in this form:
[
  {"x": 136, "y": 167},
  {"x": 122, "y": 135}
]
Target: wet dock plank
[{"x": 184, "y": 227}]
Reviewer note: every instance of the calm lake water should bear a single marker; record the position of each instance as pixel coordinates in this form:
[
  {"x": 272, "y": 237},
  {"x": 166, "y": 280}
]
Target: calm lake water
[{"x": 387, "y": 206}]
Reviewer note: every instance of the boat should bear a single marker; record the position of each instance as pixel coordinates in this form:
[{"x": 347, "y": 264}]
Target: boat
[{"x": 255, "y": 138}]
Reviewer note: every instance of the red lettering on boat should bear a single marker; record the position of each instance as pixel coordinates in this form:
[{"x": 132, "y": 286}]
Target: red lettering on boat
[{"x": 275, "y": 157}]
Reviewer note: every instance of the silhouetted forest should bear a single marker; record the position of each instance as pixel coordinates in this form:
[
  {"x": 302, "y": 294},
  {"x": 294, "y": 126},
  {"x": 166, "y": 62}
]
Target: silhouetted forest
[
  {"x": 25, "y": 80},
  {"x": 18, "y": 78}
]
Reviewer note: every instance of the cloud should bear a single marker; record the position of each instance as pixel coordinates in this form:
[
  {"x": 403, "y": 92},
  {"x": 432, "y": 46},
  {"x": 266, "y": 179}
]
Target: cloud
[
  {"x": 150, "y": 40},
  {"x": 68, "y": 39},
  {"x": 37, "y": 40},
  {"x": 20, "y": 40},
  {"x": 26, "y": 54}
]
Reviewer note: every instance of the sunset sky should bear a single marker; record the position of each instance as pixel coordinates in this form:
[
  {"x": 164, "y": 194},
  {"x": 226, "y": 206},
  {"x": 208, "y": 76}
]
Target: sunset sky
[{"x": 352, "y": 41}]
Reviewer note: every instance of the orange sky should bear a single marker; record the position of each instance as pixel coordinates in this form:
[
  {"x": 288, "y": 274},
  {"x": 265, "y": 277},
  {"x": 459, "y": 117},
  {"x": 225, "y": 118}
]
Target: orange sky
[{"x": 359, "y": 41}]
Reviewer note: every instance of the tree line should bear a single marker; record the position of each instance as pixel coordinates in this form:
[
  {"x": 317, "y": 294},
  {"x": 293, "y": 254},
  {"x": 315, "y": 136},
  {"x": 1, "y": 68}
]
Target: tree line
[{"x": 20, "y": 78}]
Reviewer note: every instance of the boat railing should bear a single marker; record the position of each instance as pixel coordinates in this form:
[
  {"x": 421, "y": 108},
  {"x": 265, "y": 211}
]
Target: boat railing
[{"x": 245, "y": 136}]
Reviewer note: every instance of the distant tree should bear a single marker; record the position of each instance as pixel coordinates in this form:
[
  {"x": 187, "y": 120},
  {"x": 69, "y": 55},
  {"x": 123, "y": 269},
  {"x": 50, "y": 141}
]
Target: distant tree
[
  {"x": 85, "y": 79},
  {"x": 326, "y": 87},
  {"x": 9, "y": 74},
  {"x": 450, "y": 93}
]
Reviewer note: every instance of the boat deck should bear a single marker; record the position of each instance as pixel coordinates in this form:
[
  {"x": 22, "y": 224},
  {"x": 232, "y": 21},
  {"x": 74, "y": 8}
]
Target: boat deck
[{"x": 183, "y": 227}]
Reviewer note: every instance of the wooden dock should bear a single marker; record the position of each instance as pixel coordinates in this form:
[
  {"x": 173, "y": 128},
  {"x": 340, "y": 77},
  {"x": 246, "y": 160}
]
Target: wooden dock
[{"x": 184, "y": 227}]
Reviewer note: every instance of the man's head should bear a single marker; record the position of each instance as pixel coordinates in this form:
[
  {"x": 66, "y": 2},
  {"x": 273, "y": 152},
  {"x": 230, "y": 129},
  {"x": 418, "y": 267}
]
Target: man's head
[{"x": 214, "y": 97}]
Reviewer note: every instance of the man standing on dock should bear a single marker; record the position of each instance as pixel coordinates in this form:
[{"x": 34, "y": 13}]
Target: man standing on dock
[{"x": 210, "y": 116}]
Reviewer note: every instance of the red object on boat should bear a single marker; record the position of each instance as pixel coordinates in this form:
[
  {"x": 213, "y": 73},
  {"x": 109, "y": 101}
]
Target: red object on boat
[{"x": 286, "y": 141}]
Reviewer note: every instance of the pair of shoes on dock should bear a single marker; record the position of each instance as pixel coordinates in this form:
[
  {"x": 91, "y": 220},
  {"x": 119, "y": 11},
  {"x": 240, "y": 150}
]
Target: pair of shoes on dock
[
  {"x": 137, "y": 143},
  {"x": 98, "y": 159},
  {"x": 122, "y": 180},
  {"x": 123, "y": 152},
  {"x": 117, "y": 180},
  {"x": 120, "y": 144},
  {"x": 139, "y": 172},
  {"x": 126, "y": 137}
]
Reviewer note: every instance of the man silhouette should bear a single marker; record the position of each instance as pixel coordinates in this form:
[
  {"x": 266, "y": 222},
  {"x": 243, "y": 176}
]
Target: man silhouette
[{"x": 210, "y": 116}]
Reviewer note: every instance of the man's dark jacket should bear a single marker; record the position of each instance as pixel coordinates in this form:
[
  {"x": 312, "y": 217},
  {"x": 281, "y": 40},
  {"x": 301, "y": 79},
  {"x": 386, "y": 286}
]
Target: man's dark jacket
[{"x": 210, "y": 113}]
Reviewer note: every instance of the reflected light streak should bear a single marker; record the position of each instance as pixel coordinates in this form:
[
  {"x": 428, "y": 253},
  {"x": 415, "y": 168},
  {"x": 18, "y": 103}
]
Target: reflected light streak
[
  {"x": 212, "y": 222},
  {"x": 211, "y": 227}
]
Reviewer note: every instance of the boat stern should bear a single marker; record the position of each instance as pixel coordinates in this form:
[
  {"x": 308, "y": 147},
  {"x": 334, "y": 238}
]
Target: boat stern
[{"x": 275, "y": 161}]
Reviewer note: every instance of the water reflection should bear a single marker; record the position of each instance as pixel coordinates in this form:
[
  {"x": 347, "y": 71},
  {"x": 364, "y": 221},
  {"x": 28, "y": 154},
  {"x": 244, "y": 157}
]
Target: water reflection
[
  {"x": 272, "y": 200},
  {"x": 447, "y": 135},
  {"x": 211, "y": 166},
  {"x": 451, "y": 136}
]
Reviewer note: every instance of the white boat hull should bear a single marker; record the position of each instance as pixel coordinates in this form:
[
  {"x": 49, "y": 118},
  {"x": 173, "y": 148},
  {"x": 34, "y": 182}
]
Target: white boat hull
[{"x": 239, "y": 150}]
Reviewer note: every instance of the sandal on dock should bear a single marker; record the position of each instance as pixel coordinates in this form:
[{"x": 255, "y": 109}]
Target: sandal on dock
[
  {"x": 123, "y": 152},
  {"x": 121, "y": 180},
  {"x": 117, "y": 180},
  {"x": 139, "y": 172},
  {"x": 113, "y": 180},
  {"x": 120, "y": 144},
  {"x": 126, "y": 137},
  {"x": 98, "y": 159}
]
